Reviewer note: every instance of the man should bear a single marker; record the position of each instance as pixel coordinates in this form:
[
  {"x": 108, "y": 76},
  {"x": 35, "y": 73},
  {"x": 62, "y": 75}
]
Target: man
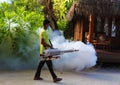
[{"x": 44, "y": 44}]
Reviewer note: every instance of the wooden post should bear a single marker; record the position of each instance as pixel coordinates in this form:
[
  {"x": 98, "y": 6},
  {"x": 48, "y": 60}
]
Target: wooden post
[
  {"x": 83, "y": 30},
  {"x": 77, "y": 30},
  {"x": 91, "y": 27}
]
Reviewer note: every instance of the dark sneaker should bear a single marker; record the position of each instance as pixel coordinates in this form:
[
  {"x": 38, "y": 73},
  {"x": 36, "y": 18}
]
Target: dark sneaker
[
  {"x": 57, "y": 79},
  {"x": 39, "y": 78}
]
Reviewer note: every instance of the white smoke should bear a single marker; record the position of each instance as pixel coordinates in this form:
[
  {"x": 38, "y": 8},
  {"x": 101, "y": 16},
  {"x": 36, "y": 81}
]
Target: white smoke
[
  {"x": 26, "y": 56},
  {"x": 76, "y": 61}
]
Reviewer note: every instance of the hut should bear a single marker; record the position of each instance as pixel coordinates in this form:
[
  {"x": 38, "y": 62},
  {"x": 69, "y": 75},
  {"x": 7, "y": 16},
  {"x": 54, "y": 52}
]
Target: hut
[{"x": 97, "y": 22}]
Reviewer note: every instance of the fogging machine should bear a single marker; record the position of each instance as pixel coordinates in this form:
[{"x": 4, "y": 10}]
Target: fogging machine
[{"x": 50, "y": 54}]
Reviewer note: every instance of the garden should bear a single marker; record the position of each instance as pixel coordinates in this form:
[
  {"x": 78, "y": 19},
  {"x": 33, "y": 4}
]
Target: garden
[{"x": 20, "y": 23}]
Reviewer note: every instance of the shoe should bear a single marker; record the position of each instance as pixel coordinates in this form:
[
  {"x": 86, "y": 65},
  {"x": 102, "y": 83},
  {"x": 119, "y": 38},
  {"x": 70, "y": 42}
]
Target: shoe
[
  {"x": 57, "y": 79},
  {"x": 39, "y": 78}
]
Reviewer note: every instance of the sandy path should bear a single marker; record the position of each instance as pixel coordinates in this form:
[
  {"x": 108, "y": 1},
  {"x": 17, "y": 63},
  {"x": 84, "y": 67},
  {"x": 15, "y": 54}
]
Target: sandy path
[{"x": 89, "y": 77}]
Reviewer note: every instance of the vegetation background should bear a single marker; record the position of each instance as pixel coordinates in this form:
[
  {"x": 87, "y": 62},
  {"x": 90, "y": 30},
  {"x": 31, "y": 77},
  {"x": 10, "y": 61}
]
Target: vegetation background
[{"x": 20, "y": 22}]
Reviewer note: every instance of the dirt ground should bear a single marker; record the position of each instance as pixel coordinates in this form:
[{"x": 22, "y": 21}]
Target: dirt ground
[{"x": 93, "y": 76}]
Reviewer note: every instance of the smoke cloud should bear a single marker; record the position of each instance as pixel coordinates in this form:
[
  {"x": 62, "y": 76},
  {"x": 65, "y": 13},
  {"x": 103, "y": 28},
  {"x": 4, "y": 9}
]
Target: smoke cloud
[
  {"x": 75, "y": 61},
  {"x": 27, "y": 54}
]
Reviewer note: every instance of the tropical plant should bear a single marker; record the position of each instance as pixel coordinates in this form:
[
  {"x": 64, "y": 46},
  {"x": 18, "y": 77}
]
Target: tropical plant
[
  {"x": 60, "y": 10},
  {"x": 18, "y": 28}
]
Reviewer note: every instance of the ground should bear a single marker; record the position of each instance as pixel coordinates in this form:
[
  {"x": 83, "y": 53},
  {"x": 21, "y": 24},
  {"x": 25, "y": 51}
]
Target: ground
[{"x": 94, "y": 76}]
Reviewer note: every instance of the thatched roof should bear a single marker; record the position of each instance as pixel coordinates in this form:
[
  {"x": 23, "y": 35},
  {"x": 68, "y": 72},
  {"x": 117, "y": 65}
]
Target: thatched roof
[{"x": 98, "y": 7}]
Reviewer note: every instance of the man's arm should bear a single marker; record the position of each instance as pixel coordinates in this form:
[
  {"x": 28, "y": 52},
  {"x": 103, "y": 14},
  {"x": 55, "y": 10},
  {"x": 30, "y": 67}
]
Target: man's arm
[{"x": 45, "y": 44}]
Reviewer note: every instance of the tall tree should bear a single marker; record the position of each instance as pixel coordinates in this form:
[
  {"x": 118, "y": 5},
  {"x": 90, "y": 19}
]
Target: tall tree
[
  {"x": 55, "y": 11},
  {"x": 49, "y": 12}
]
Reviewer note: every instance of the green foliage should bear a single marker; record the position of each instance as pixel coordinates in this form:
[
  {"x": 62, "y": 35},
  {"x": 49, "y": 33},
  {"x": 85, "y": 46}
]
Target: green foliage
[
  {"x": 19, "y": 23},
  {"x": 18, "y": 29},
  {"x": 21, "y": 19},
  {"x": 61, "y": 8},
  {"x": 62, "y": 24}
]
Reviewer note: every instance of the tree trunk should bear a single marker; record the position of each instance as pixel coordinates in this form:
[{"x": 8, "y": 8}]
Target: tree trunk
[{"x": 49, "y": 13}]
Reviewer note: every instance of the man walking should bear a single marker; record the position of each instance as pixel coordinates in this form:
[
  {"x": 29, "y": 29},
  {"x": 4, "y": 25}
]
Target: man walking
[{"x": 45, "y": 44}]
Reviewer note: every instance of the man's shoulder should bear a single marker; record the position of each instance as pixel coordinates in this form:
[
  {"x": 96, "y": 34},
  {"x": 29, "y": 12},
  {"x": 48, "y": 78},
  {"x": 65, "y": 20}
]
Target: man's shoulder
[{"x": 42, "y": 30}]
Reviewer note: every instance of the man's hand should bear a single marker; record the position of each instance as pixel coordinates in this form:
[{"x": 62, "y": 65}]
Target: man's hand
[
  {"x": 41, "y": 55},
  {"x": 51, "y": 47}
]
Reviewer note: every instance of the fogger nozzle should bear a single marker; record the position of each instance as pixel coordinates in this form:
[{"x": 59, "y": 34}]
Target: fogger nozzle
[{"x": 54, "y": 52}]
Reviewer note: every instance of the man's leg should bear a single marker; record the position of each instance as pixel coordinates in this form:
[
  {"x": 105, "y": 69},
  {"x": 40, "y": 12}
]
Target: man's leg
[
  {"x": 50, "y": 66},
  {"x": 38, "y": 72}
]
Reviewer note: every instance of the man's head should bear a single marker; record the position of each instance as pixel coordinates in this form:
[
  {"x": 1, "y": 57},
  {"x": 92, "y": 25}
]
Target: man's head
[{"x": 46, "y": 23}]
